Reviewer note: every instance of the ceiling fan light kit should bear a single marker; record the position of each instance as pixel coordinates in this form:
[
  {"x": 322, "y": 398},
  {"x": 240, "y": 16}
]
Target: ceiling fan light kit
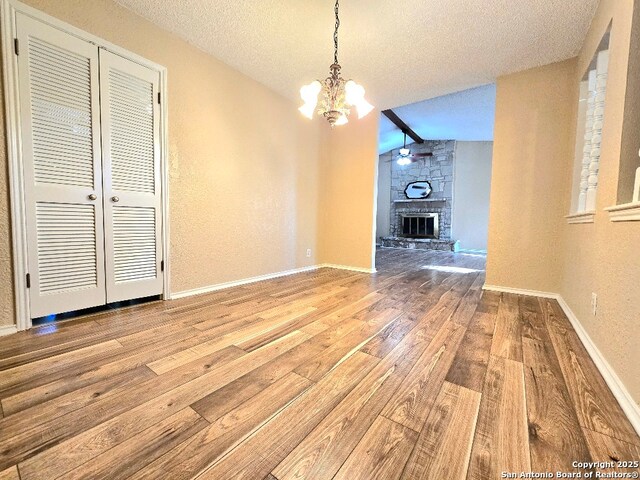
[
  {"x": 405, "y": 157},
  {"x": 338, "y": 95}
]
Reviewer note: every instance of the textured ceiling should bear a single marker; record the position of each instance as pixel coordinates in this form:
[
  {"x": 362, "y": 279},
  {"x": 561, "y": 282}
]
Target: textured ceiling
[
  {"x": 402, "y": 51},
  {"x": 467, "y": 116}
]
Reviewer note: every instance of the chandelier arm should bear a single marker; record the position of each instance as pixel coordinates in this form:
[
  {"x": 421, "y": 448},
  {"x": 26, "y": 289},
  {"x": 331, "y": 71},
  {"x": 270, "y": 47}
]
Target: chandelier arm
[{"x": 335, "y": 34}]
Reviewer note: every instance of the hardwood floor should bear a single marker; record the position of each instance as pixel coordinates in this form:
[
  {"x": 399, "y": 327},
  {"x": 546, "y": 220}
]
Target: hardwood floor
[{"x": 411, "y": 373}]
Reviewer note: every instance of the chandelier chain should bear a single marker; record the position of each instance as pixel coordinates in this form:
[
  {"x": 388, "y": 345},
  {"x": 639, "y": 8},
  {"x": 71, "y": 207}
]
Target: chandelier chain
[{"x": 335, "y": 34}]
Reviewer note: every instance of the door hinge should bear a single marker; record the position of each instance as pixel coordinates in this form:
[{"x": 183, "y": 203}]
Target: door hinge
[
  {"x": 16, "y": 46},
  {"x": 162, "y": 265},
  {"x": 158, "y": 97},
  {"x": 28, "y": 280}
]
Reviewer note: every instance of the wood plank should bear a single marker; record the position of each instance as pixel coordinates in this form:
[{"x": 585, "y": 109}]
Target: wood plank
[
  {"x": 139, "y": 450},
  {"x": 94, "y": 372},
  {"x": 243, "y": 334},
  {"x": 382, "y": 452},
  {"x": 352, "y": 308},
  {"x": 501, "y": 441},
  {"x": 10, "y": 473},
  {"x": 314, "y": 328},
  {"x": 315, "y": 368},
  {"x": 415, "y": 397},
  {"x": 47, "y": 366},
  {"x": 507, "y": 338},
  {"x": 244, "y": 388},
  {"x": 470, "y": 363},
  {"x": 22, "y": 419},
  {"x": 325, "y": 449},
  {"x": 384, "y": 341},
  {"x": 555, "y": 437},
  {"x": 469, "y": 303},
  {"x": 22, "y": 443},
  {"x": 294, "y": 321},
  {"x": 258, "y": 455},
  {"x": 608, "y": 449},
  {"x": 489, "y": 302},
  {"x": 64, "y": 456},
  {"x": 532, "y": 318},
  {"x": 595, "y": 405},
  {"x": 210, "y": 444},
  {"x": 444, "y": 445}
]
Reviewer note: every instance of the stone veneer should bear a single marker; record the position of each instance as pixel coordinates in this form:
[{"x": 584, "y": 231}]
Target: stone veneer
[{"x": 438, "y": 170}]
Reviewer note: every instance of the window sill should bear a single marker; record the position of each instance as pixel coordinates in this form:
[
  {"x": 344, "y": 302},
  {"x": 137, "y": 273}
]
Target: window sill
[
  {"x": 582, "y": 217},
  {"x": 627, "y": 212}
]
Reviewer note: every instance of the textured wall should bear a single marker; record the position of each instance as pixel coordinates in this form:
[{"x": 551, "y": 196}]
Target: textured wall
[
  {"x": 6, "y": 268},
  {"x": 603, "y": 257},
  {"x": 348, "y": 176},
  {"x": 471, "y": 190},
  {"x": 383, "y": 201},
  {"x": 532, "y": 154},
  {"x": 243, "y": 162},
  {"x": 530, "y": 243},
  {"x": 629, "y": 159}
]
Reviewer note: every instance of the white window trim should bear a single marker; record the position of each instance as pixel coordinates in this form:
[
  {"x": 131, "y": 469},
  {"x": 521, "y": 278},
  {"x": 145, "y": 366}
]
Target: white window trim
[
  {"x": 627, "y": 212},
  {"x": 582, "y": 217},
  {"x": 8, "y": 10}
]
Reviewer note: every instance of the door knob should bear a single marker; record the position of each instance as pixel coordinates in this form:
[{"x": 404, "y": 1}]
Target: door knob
[
  {"x": 92, "y": 196},
  {"x": 115, "y": 199}
]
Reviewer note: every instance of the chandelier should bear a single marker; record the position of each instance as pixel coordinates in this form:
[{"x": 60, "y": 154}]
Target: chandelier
[{"x": 338, "y": 94}]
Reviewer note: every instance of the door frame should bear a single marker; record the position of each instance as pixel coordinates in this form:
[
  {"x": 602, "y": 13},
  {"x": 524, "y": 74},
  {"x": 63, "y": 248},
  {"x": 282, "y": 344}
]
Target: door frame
[{"x": 8, "y": 10}]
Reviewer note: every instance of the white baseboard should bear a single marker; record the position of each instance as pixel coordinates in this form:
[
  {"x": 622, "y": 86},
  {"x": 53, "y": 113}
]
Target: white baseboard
[
  {"x": 244, "y": 281},
  {"x": 626, "y": 401},
  {"x": 346, "y": 267},
  {"x": 620, "y": 392},
  {"x": 520, "y": 291},
  {"x": 260, "y": 278},
  {"x": 8, "y": 330}
]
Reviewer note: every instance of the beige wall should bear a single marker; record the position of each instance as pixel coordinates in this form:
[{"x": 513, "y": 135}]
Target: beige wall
[
  {"x": 471, "y": 190},
  {"x": 531, "y": 157},
  {"x": 244, "y": 164},
  {"x": 629, "y": 159},
  {"x": 603, "y": 257},
  {"x": 6, "y": 269},
  {"x": 531, "y": 246},
  {"x": 347, "y": 196},
  {"x": 383, "y": 201}
]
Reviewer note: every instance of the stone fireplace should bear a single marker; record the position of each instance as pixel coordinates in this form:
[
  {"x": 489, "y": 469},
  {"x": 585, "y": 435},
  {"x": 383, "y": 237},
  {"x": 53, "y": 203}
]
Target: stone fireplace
[{"x": 424, "y": 222}]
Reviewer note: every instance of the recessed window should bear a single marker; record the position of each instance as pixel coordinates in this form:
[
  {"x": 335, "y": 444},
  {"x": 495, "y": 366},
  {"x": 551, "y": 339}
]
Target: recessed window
[
  {"x": 627, "y": 206},
  {"x": 591, "y": 113}
]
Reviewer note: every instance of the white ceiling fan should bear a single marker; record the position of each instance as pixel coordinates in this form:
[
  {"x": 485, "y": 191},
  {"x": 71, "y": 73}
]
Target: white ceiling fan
[{"x": 405, "y": 156}]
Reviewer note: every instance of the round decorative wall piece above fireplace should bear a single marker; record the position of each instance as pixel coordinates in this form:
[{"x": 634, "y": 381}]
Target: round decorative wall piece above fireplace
[{"x": 417, "y": 190}]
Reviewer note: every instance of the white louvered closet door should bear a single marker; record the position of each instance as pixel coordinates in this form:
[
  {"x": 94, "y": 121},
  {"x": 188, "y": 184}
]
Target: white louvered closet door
[
  {"x": 131, "y": 159},
  {"x": 59, "y": 103}
]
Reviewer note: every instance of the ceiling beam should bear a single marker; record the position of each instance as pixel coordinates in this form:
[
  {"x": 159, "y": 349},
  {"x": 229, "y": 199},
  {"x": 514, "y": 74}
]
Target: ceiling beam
[{"x": 397, "y": 121}]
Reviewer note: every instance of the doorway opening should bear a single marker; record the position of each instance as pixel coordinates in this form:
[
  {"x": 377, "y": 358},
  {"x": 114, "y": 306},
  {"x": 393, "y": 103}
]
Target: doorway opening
[{"x": 434, "y": 173}]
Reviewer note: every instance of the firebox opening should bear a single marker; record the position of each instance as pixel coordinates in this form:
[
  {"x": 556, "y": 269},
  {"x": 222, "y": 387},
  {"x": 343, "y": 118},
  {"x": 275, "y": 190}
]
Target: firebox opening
[{"x": 419, "y": 225}]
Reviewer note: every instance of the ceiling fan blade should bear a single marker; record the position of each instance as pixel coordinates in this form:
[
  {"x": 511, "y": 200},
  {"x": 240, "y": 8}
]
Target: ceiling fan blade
[{"x": 422, "y": 155}]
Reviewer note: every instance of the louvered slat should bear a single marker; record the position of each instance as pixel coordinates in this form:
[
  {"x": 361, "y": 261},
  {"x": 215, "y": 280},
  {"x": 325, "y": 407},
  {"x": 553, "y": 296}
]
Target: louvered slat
[
  {"x": 66, "y": 246},
  {"x": 60, "y": 86},
  {"x": 132, "y": 135},
  {"x": 134, "y": 235}
]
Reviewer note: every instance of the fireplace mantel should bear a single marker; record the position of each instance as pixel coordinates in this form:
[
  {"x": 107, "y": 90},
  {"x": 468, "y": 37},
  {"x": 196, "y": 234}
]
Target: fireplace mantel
[{"x": 421, "y": 200}]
